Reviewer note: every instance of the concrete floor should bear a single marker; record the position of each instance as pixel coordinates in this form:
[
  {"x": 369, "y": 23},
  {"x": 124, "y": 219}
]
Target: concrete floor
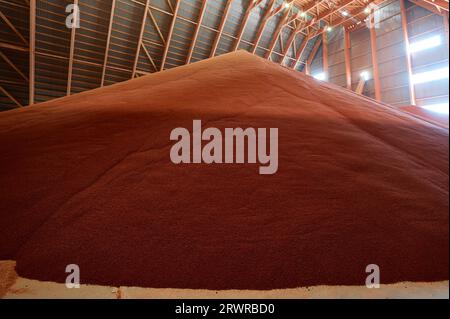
[{"x": 13, "y": 287}]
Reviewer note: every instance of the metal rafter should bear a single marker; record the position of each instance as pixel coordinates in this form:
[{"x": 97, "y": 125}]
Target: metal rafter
[
  {"x": 141, "y": 34},
  {"x": 279, "y": 29},
  {"x": 289, "y": 42},
  {"x": 302, "y": 48},
  {"x": 244, "y": 22},
  {"x": 169, "y": 36},
  {"x": 12, "y": 65},
  {"x": 155, "y": 24},
  {"x": 314, "y": 20},
  {"x": 108, "y": 41},
  {"x": 169, "y": 3},
  {"x": 13, "y": 47},
  {"x": 196, "y": 32},
  {"x": 446, "y": 32},
  {"x": 221, "y": 27},
  {"x": 13, "y": 28},
  {"x": 299, "y": 52},
  {"x": 10, "y": 96},
  {"x": 374, "y": 54},
  {"x": 271, "y": 12},
  {"x": 147, "y": 53},
  {"x": 32, "y": 51},
  {"x": 294, "y": 33},
  {"x": 440, "y": 5},
  {"x": 265, "y": 19},
  {"x": 325, "y": 14},
  {"x": 351, "y": 16},
  {"x": 412, "y": 92},
  {"x": 430, "y": 7},
  {"x": 312, "y": 55},
  {"x": 348, "y": 68},
  {"x": 71, "y": 55},
  {"x": 313, "y": 4},
  {"x": 325, "y": 53}
]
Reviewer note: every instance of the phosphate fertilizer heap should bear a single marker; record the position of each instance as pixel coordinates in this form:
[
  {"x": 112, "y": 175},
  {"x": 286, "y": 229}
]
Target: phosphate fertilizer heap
[{"x": 88, "y": 180}]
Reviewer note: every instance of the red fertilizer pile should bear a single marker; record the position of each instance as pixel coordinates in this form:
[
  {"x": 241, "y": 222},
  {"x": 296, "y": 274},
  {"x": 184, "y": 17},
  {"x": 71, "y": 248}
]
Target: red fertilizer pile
[{"x": 88, "y": 180}]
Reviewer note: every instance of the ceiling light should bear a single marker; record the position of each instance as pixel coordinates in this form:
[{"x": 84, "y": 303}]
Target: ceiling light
[
  {"x": 367, "y": 10},
  {"x": 329, "y": 29},
  {"x": 287, "y": 5},
  {"x": 345, "y": 13}
]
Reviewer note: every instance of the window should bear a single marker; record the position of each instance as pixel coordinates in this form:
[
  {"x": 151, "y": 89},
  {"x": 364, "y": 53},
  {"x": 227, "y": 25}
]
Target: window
[
  {"x": 441, "y": 108},
  {"x": 425, "y": 44},
  {"x": 365, "y": 75},
  {"x": 320, "y": 76},
  {"x": 429, "y": 76}
]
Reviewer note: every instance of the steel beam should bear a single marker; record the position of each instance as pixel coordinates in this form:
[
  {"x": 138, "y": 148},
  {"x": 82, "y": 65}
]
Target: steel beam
[
  {"x": 169, "y": 36},
  {"x": 141, "y": 34},
  {"x": 196, "y": 32},
  {"x": 300, "y": 52},
  {"x": 279, "y": 29},
  {"x": 10, "y": 96},
  {"x": 244, "y": 22},
  {"x": 221, "y": 27},
  {"x": 71, "y": 55},
  {"x": 347, "y": 58},
  {"x": 312, "y": 55},
  {"x": 374, "y": 55},
  {"x": 32, "y": 52},
  {"x": 13, "y": 28},
  {"x": 12, "y": 65},
  {"x": 325, "y": 53},
  {"x": 108, "y": 41},
  {"x": 412, "y": 91}
]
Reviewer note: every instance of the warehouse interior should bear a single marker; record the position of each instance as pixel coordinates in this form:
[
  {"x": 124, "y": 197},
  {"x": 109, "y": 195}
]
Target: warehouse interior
[
  {"x": 120, "y": 40},
  {"x": 90, "y": 90}
]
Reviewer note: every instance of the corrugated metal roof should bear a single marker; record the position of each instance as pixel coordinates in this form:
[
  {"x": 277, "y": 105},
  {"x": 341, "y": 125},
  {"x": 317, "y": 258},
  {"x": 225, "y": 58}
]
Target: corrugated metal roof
[{"x": 119, "y": 39}]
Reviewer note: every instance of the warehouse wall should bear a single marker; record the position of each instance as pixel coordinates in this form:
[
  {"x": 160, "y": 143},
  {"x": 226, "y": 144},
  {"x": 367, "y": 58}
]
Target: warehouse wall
[
  {"x": 423, "y": 24},
  {"x": 392, "y": 59},
  {"x": 391, "y": 53},
  {"x": 360, "y": 59},
  {"x": 336, "y": 60},
  {"x": 317, "y": 63}
]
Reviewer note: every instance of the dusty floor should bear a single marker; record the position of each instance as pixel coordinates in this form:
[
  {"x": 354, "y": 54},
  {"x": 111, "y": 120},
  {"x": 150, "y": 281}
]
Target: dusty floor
[{"x": 12, "y": 287}]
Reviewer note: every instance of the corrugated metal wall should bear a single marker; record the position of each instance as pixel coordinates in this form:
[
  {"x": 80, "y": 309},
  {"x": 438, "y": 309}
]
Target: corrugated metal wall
[
  {"x": 336, "y": 61},
  {"x": 317, "y": 64},
  {"x": 423, "y": 24},
  {"x": 360, "y": 58},
  {"x": 391, "y": 52},
  {"x": 391, "y": 49}
]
